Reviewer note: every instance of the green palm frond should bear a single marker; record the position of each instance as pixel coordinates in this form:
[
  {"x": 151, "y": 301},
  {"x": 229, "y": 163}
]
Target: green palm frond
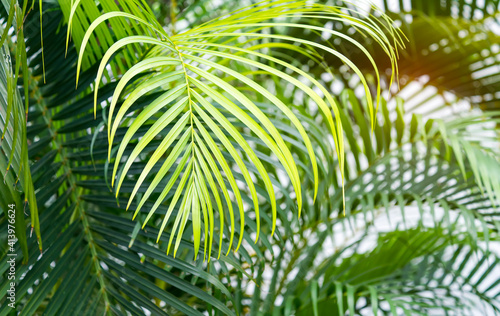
[
  {"x": 217, "y": 131},
  {"x": 87, "y": 250},
  {"x": 208, "y": 96},
  {"x": 445, "y": 162},
  {"x": 11, "y": 144}
]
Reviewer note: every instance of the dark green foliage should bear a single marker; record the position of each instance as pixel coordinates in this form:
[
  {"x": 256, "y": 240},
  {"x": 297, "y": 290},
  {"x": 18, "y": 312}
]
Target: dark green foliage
[{"x": 406, "y": 222}]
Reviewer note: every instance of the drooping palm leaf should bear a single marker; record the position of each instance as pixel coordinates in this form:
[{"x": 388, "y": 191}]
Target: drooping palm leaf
[
  {"x": 198, "y": 66},
  {"x": 76, "y": 240},
  {"x": 96, "y": 256}
]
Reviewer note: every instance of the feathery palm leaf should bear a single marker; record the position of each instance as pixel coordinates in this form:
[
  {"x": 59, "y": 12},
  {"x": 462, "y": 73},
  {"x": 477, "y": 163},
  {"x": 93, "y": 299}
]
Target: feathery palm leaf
[
  {"x": 206, "y": 99},
  {"x": 420, "y": 227}
]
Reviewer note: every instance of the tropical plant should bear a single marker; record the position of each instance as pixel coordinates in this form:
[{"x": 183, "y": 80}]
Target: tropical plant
[{"x": 281, "y": 158}]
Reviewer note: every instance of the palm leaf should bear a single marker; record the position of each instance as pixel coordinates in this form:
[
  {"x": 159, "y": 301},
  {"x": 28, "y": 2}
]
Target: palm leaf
[
  {"x": 193, "y": 62},
  {"x": 83, "y": 253},
  {"x": 434, "y": 180}
]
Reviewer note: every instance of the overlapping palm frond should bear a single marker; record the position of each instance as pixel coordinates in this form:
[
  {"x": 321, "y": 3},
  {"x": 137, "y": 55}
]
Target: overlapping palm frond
[
  {"x": 421, "y": 194},
  {"x": 471, "y": 75},
  {"x": 419, "y": 172},
  {"x": 209, "y": 99},
  {"x": 468, "y": 10},
  {"x": 92, "y": 246},
  {"x": 83, "y": 244},
  {"x": 424, "y": 182}
]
